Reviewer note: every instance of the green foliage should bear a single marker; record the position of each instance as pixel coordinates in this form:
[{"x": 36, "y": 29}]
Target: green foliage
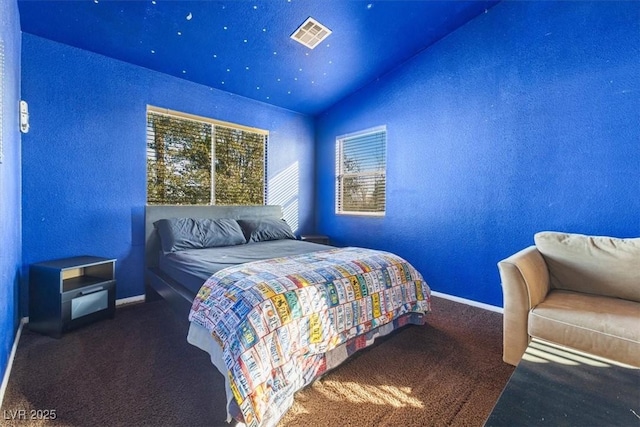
[
  {"x": 362, "y": 184},
  {"x": 179, "y": 163},
  {"x": 363, "y": 193},
  {"x": 239, "y": 160}
]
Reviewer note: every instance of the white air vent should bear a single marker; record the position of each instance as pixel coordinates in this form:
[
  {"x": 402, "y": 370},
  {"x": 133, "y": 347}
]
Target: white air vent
[{"x": 311, "y": 33}]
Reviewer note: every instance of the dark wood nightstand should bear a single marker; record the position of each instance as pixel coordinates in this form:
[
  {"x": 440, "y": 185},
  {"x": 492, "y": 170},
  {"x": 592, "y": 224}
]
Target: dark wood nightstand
[{"x": 70, "y": 292}]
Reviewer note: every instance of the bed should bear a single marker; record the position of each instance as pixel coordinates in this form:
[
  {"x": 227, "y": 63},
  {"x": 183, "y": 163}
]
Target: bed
[{"x": 273, "y": 312}]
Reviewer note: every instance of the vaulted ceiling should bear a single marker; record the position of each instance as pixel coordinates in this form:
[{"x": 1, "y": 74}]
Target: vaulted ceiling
[{"x": 244, "y": 47}]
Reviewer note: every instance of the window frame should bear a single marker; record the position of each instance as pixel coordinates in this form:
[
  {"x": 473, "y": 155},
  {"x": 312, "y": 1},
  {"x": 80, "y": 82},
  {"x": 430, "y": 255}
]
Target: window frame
[
  {"x": 341, "y": 174},
  {"x": 213, "y": 122}
]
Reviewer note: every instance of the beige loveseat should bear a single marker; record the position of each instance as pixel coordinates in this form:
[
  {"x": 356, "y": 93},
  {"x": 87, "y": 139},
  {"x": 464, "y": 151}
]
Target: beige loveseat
[{"x": 574, "y": 290}]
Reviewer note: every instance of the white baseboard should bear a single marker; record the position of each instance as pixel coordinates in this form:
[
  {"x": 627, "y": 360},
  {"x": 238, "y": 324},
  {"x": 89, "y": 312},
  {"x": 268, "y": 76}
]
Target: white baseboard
[
  {"x": 468, "y": 302},
  {"x": 119, "y": 302},
  {"x": 7, "y": 372},
  {"x": 130, "y": 300}
]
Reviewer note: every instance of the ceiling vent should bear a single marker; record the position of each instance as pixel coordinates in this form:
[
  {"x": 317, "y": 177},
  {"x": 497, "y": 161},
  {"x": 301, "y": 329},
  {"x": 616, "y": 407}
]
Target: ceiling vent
[{"x": 311, "y": 33}]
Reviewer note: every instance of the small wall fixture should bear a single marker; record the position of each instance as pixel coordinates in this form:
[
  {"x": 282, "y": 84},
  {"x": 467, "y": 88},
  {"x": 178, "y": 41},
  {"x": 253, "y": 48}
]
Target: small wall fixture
[{"x": 24, "y": 117}]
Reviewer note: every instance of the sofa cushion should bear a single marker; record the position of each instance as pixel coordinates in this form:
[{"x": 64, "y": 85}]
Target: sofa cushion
[
  {"x": 593, "y": 264},
  {"x": 604, "y": 326}
]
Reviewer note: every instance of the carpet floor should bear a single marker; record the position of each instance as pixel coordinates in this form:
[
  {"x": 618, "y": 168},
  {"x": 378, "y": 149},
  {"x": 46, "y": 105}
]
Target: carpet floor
[{"x": 138, "y": 370}]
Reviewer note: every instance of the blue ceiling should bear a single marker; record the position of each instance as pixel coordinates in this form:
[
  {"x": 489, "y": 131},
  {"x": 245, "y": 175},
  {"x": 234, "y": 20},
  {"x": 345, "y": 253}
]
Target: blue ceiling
[{"x": 244, "y": 47}]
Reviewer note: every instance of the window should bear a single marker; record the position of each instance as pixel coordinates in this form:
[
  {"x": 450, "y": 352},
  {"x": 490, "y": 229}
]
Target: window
[
  {"x": 198, "y": 161},
  {"x": 360, "y": 168}
]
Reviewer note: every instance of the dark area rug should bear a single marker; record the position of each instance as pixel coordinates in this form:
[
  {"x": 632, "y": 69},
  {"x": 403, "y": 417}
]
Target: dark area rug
[{"x": 138, "y": 369}]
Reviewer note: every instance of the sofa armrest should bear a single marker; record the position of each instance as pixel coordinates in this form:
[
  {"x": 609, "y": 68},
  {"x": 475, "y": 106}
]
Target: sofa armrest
[{"x": 525, "y": 284}]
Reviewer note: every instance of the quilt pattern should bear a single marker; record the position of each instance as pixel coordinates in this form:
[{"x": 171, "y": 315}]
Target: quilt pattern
[{"x": 275, "y": 319}]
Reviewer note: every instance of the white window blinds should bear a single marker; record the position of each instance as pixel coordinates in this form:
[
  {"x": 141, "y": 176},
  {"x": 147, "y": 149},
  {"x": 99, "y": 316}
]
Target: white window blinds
[
  {"x": 198, "y": 161},
  {"x": 361, "y": 172}
]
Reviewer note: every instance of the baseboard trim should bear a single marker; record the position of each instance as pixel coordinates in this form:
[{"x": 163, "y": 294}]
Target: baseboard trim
[
  {"x": 468, "y": 302},
  {"x": 131, "y": 300},
  {"x": 7, "y": 372}
]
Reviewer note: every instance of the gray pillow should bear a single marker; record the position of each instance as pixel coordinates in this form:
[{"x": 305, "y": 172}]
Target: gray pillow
[
  {"x": 263, "y": 229},
  {"x": 177, "y": 234}
]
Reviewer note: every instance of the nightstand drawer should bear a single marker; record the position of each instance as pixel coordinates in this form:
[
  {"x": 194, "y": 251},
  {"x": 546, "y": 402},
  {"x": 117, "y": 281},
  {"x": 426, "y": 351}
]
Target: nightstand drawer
[{"x": 98, "y": 299}]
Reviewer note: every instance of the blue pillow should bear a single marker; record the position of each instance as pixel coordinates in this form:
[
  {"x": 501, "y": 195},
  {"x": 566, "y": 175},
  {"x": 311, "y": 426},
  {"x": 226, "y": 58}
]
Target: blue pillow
[
  {"x": 177, "y": 234},
  {"x": 263, "y": 229}
]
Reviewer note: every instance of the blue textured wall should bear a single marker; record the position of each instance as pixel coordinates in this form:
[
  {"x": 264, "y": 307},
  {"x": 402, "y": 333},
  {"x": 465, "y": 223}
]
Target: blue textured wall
[
  {"x": 525, "y": 119},
  {"x": 10, "y": 221},
  {"x": 84, "y": 160}
]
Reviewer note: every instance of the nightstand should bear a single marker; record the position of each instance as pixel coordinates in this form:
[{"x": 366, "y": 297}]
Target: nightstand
[
  {"x": 70, "y": 292},
  {"x": 315, "y": 238}
]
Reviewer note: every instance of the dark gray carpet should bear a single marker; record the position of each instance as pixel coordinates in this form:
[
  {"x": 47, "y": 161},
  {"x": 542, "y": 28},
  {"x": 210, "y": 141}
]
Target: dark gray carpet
[{"x": 138, "y": 369}]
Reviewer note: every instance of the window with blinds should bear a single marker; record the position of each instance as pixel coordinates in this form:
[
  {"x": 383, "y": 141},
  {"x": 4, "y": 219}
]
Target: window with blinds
[
  {"x": 361, "y": 172},
  {"x": 198, "y": 161}
]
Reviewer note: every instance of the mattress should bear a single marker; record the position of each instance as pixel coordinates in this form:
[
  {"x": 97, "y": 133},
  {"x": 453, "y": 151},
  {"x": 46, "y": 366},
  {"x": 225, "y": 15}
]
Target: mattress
[{"x": 191, "y": 268}]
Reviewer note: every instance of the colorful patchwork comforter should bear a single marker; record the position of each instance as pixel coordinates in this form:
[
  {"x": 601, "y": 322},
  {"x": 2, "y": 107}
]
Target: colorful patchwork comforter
[{"x": 276, "y": 319}]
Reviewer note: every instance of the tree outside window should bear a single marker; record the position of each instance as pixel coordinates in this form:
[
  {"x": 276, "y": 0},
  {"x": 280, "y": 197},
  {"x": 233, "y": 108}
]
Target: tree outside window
[
  {"x": 361, "y": 173},
  {"x": 200, "y": 162}
]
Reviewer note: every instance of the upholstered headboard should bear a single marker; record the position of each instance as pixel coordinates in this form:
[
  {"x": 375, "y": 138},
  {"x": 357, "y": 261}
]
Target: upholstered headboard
[{"x": 155, "y": 212}]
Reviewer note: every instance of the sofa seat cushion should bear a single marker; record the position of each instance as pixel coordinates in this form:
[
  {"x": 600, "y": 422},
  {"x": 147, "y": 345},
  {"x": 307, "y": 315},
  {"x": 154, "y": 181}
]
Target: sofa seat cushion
[
  {"x": 603, "y": 326},
  {"x": 597, "y": 265}
]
